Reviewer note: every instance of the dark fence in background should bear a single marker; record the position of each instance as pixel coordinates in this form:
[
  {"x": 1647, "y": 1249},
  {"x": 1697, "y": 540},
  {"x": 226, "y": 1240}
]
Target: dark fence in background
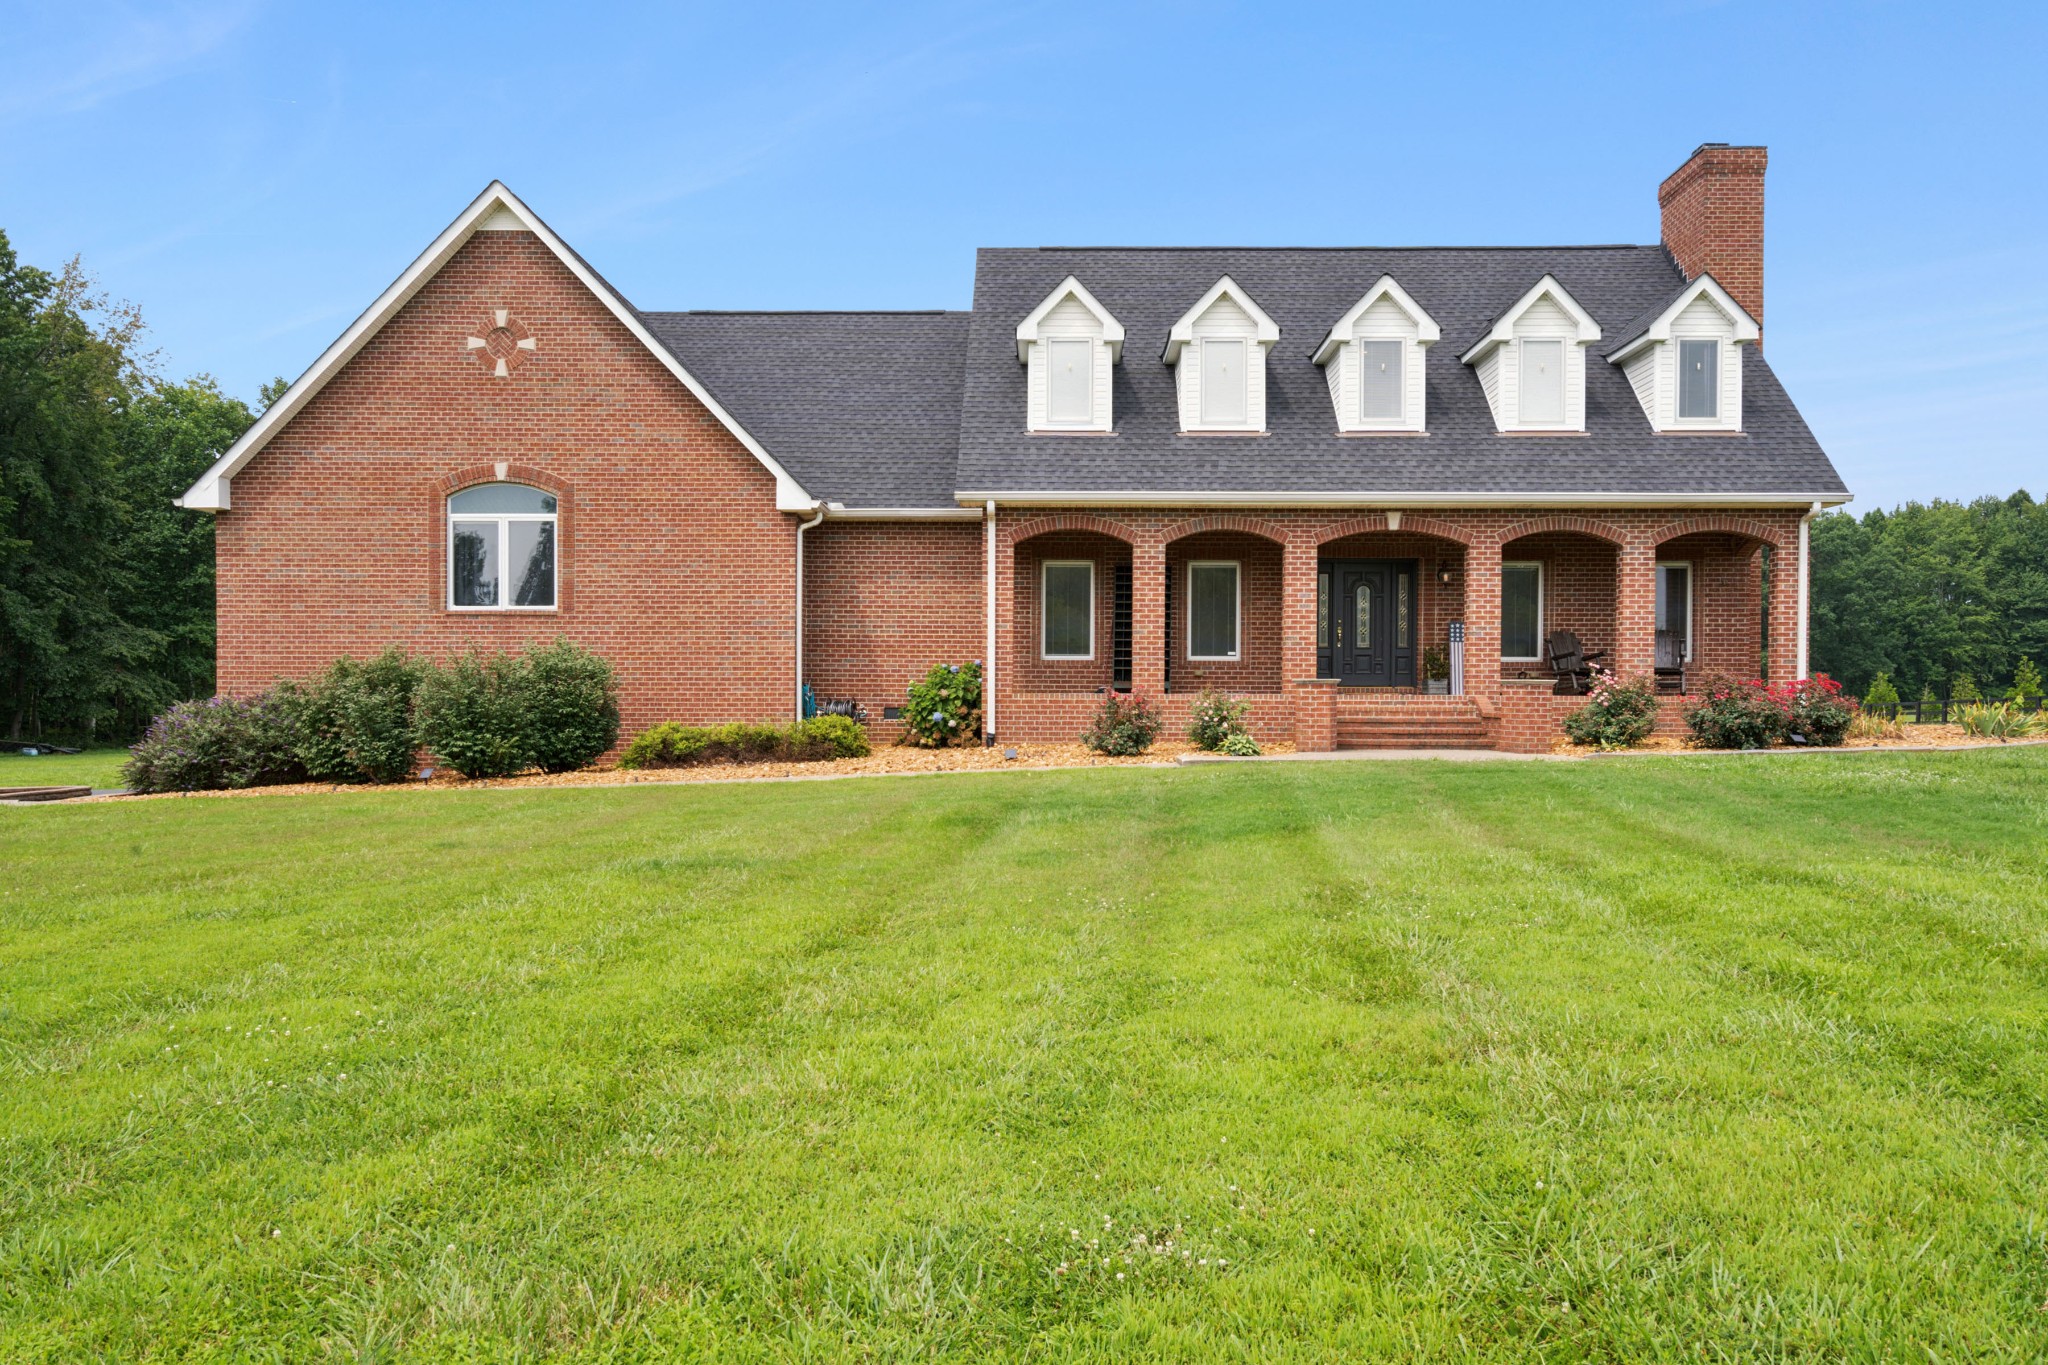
[{"x": 1938, "y": 710}]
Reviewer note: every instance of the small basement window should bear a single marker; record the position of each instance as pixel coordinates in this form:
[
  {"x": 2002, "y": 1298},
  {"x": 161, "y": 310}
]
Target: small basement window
[
  {"x": 1213, "y": 608},
  {"x": 1067, "y": 606},
  {"x": 501, "y": 548},
  {"x": 1521, "y": 612},
  {"x": 1699, "y": 379}
]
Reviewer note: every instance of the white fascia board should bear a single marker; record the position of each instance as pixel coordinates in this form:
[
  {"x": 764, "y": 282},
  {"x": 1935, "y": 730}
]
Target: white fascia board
[
  {"x": 1427, "y": 333},
  {"x": 1266, "y": 331},
  {"x": 1369, "y": 500},
  {"x": 1746, "y": 328},
  {"x": 212, "y": 490},
  {"x": 835, "y": 511},
  {"x": 1112, "y": 330},
  {"x": 1504, "y": 327}
]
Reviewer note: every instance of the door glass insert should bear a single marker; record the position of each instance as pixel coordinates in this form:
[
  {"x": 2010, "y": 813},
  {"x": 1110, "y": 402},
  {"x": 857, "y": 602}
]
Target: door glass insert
[
  {"x": 1322, "y": 611},
  {"x": 1361, "y": 620},
  {"x": 1401, "y": 613}
]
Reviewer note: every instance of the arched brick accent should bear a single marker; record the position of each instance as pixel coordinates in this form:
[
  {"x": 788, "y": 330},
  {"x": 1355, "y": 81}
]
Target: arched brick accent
[
  {"x": 1377, "y": 521},
  {"x": 1584, "y": 526},
  {"x": 514, "y": 473},
  {"x": 1038, "y": 526},
  {"x": 1710, "y": 521},
  {"x": 1250, "y": 526}
]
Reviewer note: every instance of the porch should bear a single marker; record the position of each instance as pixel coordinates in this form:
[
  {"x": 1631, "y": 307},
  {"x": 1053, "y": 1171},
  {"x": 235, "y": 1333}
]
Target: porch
[{"x": 1330, "y": 625}]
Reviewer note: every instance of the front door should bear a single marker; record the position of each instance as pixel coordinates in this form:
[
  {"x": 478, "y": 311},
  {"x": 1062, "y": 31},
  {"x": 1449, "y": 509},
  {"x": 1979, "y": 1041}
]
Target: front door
[{"x": 1372, "y": 621}]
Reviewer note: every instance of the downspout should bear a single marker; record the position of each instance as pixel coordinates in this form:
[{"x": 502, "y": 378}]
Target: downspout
[
  {"x": 802, "y": 527},
  {"x": 1805, "y": 582},
  {"x": 988, "y": 656}
]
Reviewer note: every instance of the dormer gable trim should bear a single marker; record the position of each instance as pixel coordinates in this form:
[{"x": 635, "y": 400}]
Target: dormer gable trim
[
  {"x": 1112, "y": 330},
  {"x": 1266, "y": 331},
  {"x": 1387, "y": 287},
  {"x": 1658, "y": 328},
  {"x": 497, "y": 209},
  {"x": 1503, "y": 329}
]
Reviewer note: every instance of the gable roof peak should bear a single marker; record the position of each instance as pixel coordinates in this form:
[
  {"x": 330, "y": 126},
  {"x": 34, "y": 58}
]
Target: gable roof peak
[
  {"x": 1070, "y": 288},
  {"x": 1265, "y": 330},
  {"x": 1502, "y": 328},
  {"x": 1386, "y": 287}
]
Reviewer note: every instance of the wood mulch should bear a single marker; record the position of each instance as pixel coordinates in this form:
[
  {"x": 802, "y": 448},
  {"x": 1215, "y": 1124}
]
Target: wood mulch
[{"x": 1914, "y": 737}]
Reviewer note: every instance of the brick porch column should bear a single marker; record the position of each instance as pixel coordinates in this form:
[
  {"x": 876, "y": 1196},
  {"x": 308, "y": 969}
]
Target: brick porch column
[
  {"x": 1148, "y": 615},
  {"x": 1784, "y": 609},
  {"x": 1004, "y": 674},
  {"x": 1313, "y": 699},
  {"x": 1634, "y": 652},
  {"x": 1482, "y": 622}
]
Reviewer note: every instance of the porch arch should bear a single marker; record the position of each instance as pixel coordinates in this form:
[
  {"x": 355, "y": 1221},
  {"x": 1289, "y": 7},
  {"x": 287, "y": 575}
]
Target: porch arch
[
  {"x": 1709, "y": 522},
  {"x": 1250, "y": 526},
  {"x": 1069, "y": 521},
  {"x": 1584, "y": 526},
  {"x": 1377, "y": 521}
]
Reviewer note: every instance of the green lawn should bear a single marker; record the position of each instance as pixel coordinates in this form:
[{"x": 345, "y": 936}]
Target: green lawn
[
  {"x": 1668, "y": 1058},
  {"x": 93, "y": 768}
]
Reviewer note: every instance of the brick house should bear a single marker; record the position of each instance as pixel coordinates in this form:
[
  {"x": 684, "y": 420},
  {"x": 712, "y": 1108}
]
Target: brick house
[{"x": 1299, "y": 475}]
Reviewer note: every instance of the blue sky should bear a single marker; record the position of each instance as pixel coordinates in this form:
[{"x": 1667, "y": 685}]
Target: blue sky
[{"x": 253, "y": 175}]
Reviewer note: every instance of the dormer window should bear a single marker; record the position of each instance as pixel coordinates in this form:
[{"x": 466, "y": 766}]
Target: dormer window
[
  {"x": 1067, "y": 346},
  {"x": 1218, "y": 351},
  {"x": 1532, "y": 361},
  {"x": 1373, "y": 358},
  {"x": 1682, "y": 360}
]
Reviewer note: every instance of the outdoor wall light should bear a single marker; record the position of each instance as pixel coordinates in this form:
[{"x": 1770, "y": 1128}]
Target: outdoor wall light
[{"x": 1443, "y": 575}]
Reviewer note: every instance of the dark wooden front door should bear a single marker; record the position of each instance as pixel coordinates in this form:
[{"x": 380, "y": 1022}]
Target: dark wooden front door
[{"x": 1371, "y": 626}]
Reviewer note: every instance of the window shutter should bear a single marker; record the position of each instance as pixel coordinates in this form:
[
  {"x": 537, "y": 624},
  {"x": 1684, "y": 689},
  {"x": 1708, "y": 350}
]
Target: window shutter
[
  {"x": 1071, "y": 400},
  {"x": 1699, "y": 379},
  {"x": 1380, "y": 394},
  {"x": 1541, "y": 381},
  {"x": 1223, "y": 383}
]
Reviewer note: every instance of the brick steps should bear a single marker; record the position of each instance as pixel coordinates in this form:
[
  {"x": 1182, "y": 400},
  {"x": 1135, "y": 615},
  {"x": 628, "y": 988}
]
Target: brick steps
[{"x": 1396, "y": 720}]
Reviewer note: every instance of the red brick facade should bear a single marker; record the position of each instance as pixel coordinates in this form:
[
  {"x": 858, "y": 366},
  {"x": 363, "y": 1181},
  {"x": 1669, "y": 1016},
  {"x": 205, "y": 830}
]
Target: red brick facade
[
  {"x": 676, "y": 565},
  {"x": 1713, "y": 208}
]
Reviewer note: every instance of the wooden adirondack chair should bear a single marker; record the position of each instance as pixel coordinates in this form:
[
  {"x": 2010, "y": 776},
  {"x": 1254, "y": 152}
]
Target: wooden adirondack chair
[
  {"x": 1571, "y": 662},
  {"x": 1670, "y": 670}
]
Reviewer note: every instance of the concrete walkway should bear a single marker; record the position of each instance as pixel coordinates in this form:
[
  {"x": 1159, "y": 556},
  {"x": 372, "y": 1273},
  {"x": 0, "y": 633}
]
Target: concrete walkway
[{"x": 1404, "y": 755}]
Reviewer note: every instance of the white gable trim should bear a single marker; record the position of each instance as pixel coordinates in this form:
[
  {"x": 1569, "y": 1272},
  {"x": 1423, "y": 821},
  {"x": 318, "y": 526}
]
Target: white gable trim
[
  {"x": 1112, "y": 330},
  {"x": 1427, "y": 332},
  {"x": 1266, "y": 331},
  {"x": 496, "y": 209},
  {"x": 1503, "y": 328},
  {"x": 1746, "y": 328}
]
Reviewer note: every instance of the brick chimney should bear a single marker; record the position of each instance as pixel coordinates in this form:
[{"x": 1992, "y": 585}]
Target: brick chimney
[{"x": 1714, "y": 219}]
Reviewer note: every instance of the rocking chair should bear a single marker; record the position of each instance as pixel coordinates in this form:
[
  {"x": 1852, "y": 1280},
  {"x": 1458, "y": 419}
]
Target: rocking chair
[
  {"x": 1571, "y": 662},
  {"x": 1670, "y": 670}
]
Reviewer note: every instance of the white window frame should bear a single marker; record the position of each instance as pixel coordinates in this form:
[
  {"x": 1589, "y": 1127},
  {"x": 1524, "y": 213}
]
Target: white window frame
[
  {"x": 1044, "y": 618},
  {"x": 1400, "y": 420},
  {"x": 1248, "y": 348},
  {"x": 1691, "y": 597},
  {"x": 1237, "y": 610},
  {"x": 1678, "y": 417},
  {"x": 504, "y": 521},
  {"x": 1564, "y": 395},
  {"x": 1537, "y": 565},
  {"x": 1068, "y": 424}
]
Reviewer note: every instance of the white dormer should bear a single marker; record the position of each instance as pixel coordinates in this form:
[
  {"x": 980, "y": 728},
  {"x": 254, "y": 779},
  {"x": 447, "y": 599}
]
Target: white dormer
[
  {"x": 1373, "y": 359},
  {"x": 1066, "y": 346},
  {"x": 1684, "y": 365},
  {"x": 1532, "y": 361},
  {"x": 1218, "y": 353}
]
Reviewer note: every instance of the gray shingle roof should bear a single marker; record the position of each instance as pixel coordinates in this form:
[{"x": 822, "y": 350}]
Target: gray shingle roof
[
  {"x": 1306, "y": 290},
  {"x": 861, "y": 408},
  {"x": 909, "y": 409}
]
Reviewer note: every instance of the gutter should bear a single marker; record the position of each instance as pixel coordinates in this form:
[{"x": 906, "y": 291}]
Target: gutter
[
  {"x": 1369, "y": 500},
  {"x": 802, "y": 527},
  {"x": 988, "y": 657}
]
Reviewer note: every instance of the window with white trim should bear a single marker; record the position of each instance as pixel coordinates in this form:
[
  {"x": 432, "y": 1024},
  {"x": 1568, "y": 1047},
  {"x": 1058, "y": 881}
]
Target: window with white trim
[
  {"x": 1071, "y": 381},
  {"x": 1674, "y": 604},
  {"x": 1699, "y": 380},
  {"x": 1540, "y": 380},
  {"x": 501, "y": 548},
  {"x": 1521, "y": 612},
  {"x": 1224, "y": 379},
  {"x": 1215, "y": 603},
  {"x": 1382, "y": 396},
  {"x": 1066, "y": 595}
]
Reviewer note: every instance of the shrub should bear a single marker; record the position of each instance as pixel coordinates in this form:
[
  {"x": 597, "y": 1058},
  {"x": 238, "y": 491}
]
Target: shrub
[
  {"x": 219, "y": 743},
  {"x": 1123, "y": 726},
  {"x": 1871, "y": 725},
  {"x": 1816, "y": 709},
  {"x": 1239, "y": 744},
  {"x": 944, "y": 707},
  {"x": 2026, "y": 681},
  {"x": 471, "y": 714},
  {"x": 355, "y": 719},
  {"x": 1436, "y": 664},
  {"x": 669, "y": 745},
  {"x": 570, "y": 704},
  {"x": 1881, "y": 692},
  {"x": 2000, "y": 720},
  {"x": 1617, "y": 714},
  {"x": 1216, "y": 718},
  {"x": 1734, "y": 715},
  {"x": 1964, "y": 688}
]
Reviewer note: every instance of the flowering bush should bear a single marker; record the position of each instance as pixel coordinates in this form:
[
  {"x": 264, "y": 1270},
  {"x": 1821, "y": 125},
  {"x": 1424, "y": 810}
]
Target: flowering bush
[
  {"x": 944, "y": 707},
  {"x": 1123, "y": 726},
  {"x": 1217, "y": 717},
  {"x": 1816, "y": 709},
  {"x": 1735, "y": 715},
  {"x": 355, "y": 719},
  {"x": 219, "y": 743},
  {"x": 1617, "y": 714}
]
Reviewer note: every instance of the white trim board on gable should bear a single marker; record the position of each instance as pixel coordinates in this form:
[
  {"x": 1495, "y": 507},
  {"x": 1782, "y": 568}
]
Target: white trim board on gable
[{"x": 497, "y": 209}]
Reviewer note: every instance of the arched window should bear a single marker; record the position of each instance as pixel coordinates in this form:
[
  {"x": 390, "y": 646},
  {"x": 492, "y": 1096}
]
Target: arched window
[{"x": 501, "y": 548}]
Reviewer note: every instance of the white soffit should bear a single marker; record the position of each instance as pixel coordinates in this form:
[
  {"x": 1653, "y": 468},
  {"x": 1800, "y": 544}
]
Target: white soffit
[{"x": 497, "y": 209}]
